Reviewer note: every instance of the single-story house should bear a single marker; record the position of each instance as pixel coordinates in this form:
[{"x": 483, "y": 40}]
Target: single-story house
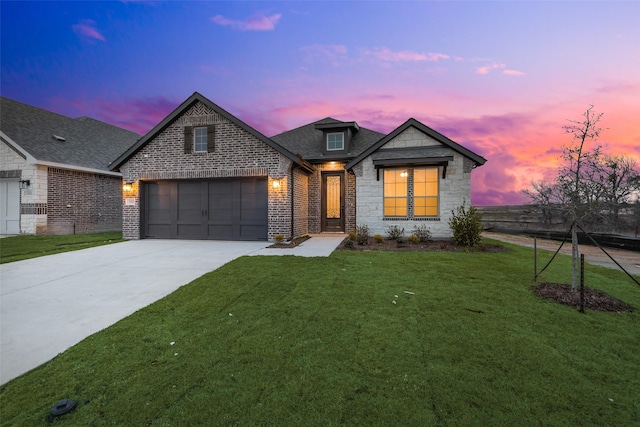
[
  {"x": 202, "y": 173},
  {"x": 54, "y": 172}
]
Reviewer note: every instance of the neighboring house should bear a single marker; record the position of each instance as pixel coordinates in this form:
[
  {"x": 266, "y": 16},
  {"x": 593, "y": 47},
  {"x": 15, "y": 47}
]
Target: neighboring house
[
  {"x": 54, "y": 172},
  {"x": 202, "y": 173}
]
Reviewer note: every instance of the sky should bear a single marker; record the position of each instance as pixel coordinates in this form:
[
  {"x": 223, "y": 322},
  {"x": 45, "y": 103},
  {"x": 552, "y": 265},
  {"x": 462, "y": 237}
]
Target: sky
[{"x": 500, "y": 78}]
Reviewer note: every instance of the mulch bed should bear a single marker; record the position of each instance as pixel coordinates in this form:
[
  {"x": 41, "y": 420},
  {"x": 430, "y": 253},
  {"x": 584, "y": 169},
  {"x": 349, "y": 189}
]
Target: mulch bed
[
  {"x": 434, "y": 245},
  {"x": 594, "y": 299},
  {"x": 291, "y": 244}
]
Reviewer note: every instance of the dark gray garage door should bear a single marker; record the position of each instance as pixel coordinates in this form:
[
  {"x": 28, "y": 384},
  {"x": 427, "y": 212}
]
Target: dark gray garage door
[{"x": 225, "y": 209}]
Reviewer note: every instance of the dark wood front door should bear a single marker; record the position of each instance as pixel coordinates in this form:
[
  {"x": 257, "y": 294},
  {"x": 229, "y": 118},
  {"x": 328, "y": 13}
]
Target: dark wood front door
[{"x": 333, "y": 202}]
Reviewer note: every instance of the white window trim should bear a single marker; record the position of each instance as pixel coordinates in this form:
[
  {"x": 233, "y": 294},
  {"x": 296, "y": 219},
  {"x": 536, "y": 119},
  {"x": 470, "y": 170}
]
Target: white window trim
[
  {"x": 335, "y": 149},
  {"x": 195, "y": 133}
]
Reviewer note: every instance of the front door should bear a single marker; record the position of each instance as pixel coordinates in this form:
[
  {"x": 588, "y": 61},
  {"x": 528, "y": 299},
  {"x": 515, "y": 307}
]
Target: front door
[{"x": 333, "y": 202}]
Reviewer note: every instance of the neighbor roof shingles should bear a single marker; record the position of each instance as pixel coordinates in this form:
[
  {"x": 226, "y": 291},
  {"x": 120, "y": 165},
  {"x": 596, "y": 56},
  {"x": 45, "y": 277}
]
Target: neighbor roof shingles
[{"x": 88, "y": 142}]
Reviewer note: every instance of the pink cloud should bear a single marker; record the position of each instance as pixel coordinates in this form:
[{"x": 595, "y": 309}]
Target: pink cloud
[
  {"x": 487, "y": 68},
  {"x": 512, "y": 72},
  {"x": 87, "y": 28},
  {"x": 387, "y": 55},
  {"x": 255, "y": 23}
]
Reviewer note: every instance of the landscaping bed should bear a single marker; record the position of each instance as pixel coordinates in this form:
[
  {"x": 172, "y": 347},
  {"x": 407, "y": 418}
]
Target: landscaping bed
[
  {"x": 432, "y": 245},
  {"x": 594, "y": 299}
]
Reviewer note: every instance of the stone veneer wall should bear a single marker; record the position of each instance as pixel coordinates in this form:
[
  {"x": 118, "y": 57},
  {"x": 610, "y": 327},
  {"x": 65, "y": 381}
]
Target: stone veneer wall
[
  {"x": 454, "y": 190},
  {"x": 81, "y": 202},
  {"x": 237, "y": 153}
]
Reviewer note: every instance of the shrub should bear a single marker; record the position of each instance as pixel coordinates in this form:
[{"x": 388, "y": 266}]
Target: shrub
[
  {"x": 348, "y": 244},
  {"x": 352, "y": 235},
  {"x": 401, "y": 242},
  {"x": 378, "y": 238},
  {"x": 413, "y": 239},
  {"x": 279, "y": 238},
  {"x": 362, "y": 234},
  {"x": 394, "y": 232},
  {"x": 422, "y": 232},
  {"x": 466, "y": 226}
]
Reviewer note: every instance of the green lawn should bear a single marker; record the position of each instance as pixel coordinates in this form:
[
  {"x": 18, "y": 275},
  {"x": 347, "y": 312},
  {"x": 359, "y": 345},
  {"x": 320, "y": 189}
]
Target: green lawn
[
  {"x": 17, "y": 248},
  {"x": 320, "y": 341}
]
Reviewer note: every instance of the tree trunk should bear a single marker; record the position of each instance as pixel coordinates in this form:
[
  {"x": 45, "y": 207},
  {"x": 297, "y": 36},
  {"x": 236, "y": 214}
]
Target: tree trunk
[{"x": 574, "y": 256}]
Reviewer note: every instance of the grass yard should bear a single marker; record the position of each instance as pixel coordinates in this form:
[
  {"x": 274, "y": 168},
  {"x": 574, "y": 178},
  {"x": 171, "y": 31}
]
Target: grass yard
[
  {"x": 17, "y": 248},
  {"x": 338, "y": 341}
]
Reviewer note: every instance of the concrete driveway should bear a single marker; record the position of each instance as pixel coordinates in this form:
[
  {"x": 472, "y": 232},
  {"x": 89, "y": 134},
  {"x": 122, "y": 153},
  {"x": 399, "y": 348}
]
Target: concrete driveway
[{"x": 49, "y": 304}]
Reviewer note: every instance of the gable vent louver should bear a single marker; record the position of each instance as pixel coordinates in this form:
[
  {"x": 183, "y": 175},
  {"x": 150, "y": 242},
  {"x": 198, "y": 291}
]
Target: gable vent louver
[{"x": 59, "y": 138}]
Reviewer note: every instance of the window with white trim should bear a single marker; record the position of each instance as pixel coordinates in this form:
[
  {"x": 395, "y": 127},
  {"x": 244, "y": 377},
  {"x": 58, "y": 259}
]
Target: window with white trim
[
  {"x": 335, "y": 141},
  {"x": 411, "y": 192},
  {"x": 200, "y": 140}
]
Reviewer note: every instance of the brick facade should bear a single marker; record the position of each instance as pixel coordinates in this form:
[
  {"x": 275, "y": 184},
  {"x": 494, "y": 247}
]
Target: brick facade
[
  {"x": 301, "y": 203},
  {"x": 81, "y": 202},
  {"x": 237, "y": 153}
]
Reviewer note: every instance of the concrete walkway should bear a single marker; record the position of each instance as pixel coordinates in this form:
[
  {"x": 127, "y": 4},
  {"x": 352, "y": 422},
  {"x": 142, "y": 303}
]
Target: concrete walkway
[
  {"x": 318, "y": 245},
  {"x": 51, "y": 303}
]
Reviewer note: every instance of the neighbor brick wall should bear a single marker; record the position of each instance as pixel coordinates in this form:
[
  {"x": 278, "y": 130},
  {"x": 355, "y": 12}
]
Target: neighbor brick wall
[
  {"x": 83, "y": 202},
  {"x": 454, "y": 190},
  {"x": 237, "y": 154}
]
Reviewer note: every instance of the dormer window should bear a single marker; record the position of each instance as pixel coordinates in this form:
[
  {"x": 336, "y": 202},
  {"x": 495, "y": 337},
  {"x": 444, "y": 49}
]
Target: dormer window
[{"x": 335, "y": 141}]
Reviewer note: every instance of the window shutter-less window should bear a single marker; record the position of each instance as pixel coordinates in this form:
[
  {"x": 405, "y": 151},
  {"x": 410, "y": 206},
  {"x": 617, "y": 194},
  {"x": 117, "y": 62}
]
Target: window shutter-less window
[
  {"x": 210, "y": 138},
  {"x": 188, "y": 139}
]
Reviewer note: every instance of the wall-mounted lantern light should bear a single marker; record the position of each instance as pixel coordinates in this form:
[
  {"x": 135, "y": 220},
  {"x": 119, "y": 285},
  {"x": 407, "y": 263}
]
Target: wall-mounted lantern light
[
  {"x": 25, "y": 183},
  {"x": 276, "y": 184},
  {"x": 128, "y": 185}
]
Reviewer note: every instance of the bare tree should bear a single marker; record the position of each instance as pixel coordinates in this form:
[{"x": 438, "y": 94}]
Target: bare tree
[{"x": 590, "y": 186}]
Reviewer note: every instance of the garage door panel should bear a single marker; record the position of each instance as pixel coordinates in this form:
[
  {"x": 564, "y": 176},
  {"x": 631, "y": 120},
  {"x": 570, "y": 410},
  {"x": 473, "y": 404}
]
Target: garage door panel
[
  {"x": 221, "y": 232},
  {"x": 225, "y": 209},
  {"x": 158, "y": 215}
]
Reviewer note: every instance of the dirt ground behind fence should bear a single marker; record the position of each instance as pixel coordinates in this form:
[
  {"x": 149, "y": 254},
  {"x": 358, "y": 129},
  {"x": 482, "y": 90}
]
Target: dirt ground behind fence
[{"x": 592, "y": 254}]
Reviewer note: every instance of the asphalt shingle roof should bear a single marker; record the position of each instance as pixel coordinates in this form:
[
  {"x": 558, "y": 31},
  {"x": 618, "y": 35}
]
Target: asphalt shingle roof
[
  {"x": 87, "y": 142},
  {"x": 308, "y": 141}
]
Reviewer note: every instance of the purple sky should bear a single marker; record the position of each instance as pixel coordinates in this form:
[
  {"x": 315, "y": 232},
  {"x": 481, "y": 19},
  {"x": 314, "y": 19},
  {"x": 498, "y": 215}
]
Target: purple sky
[{"x": 500, "y": 78}]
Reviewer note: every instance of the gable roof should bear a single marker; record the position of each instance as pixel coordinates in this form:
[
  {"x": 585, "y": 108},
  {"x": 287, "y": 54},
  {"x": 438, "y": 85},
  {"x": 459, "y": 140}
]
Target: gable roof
[
  {"x": 196, "y": 97},
  {"x": 308, "y": 140},
  {"x": 50, "y": 137},
  {"x": 479, "y": 160}
]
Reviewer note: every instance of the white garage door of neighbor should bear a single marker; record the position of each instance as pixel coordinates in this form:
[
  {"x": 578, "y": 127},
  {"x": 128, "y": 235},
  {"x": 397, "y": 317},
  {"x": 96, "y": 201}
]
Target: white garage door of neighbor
[{"x": 9, "y": 207}]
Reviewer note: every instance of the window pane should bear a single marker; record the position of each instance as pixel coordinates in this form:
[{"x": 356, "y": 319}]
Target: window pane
[
  {"x": 200, "y": 139},
  {"x": 395, "y": 192},
  {"x": 425, "y": 192},
  {"x": 335, "y": 141}
]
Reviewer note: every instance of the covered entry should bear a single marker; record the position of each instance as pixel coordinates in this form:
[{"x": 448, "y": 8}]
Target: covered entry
[{"x": 221, "y": 209}]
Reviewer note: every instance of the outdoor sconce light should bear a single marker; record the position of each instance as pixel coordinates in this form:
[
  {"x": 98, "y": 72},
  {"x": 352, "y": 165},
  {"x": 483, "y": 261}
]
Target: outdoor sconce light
[
  {"x": 128, "y": 185},
  {"x": 276, "y": 183},
  {"x": 25, "y": 183}
]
